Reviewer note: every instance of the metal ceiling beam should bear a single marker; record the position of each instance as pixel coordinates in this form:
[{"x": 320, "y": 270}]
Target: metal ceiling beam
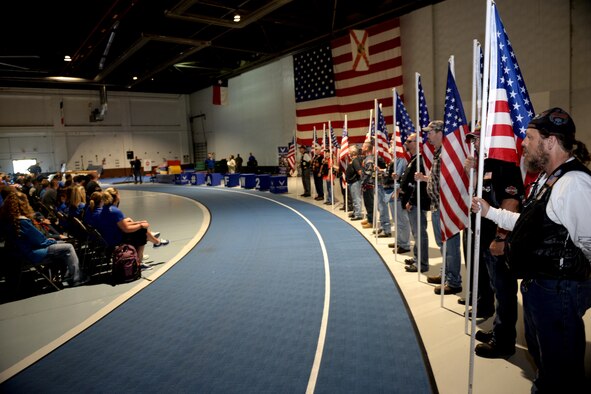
[{"x": 179, "y": 13}]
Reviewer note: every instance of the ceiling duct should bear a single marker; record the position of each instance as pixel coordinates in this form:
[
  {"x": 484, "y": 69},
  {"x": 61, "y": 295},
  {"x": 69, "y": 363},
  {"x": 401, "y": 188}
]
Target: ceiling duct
[{"x": 98, "y": 114}]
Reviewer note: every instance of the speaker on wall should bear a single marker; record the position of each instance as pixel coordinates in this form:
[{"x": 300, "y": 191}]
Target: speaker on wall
[{"x": 129, "y": 155}]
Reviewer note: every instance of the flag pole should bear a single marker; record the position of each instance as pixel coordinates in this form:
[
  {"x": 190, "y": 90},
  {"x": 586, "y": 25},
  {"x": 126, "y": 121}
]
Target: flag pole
[
  {"x": 375, "y": 164},
  {"x": 484, "y": 134},
  {"x": 295, "y": 170},
  {"x": 469, "y": 273},
  {"x": 345, "y": 165},
  {"x": 444, "y": 249},
  {"x": 395, "y": 158},
  {"x": 330, "y": 164},
  {"x": 418, "y": 158}
]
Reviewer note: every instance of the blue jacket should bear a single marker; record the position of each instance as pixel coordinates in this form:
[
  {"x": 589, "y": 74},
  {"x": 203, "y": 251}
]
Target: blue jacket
[{"x": 30, "y": 242}]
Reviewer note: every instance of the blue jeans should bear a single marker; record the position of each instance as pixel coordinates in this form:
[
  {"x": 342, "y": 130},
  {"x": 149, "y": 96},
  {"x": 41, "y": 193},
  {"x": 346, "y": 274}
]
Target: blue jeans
[
  {"x": 412, "y": 216},
  {"x": 555, "y": 333},
  {"x": 453, "y": 263},
  {"x": 504, "y": 284},
  {"x": 328, "y": 191},
  {"x": 356, "y": 197},
  {"x": 368, "y": 202},
  {"x": 65, "y": 253},
  {"x": 383, "y": 197},
  {"x": 403, "y": 223}
]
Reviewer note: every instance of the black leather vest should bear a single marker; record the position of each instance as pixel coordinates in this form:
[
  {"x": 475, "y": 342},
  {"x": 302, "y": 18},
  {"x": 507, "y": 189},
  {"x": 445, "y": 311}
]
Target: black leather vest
[{"x": 540, "y": 248}]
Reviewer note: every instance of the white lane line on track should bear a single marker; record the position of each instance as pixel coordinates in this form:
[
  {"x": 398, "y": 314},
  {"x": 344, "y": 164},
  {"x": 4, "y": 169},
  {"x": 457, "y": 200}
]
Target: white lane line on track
[{"x": 324, "y": 321}]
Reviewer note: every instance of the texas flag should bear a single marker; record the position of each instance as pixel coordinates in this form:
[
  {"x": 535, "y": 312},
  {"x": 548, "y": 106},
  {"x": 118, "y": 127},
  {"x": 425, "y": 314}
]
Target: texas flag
[{"x": 220, "y": 92}]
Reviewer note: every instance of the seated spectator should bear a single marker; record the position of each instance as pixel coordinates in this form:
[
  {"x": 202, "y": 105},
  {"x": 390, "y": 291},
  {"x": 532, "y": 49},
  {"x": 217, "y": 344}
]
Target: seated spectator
[
  {"x": 118, "y": 229},
  {"x": 77, "y": 202},
  {"x": 49, "y": 198},
  {"x": 93, "y": 209},
  {"x": 27, "y": 241},
  {"x": 92, "y": 184}
]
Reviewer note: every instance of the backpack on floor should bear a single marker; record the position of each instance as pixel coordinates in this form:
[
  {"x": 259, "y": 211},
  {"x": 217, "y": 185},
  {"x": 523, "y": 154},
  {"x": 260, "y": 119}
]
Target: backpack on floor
[{"x": 126, "y": 264}]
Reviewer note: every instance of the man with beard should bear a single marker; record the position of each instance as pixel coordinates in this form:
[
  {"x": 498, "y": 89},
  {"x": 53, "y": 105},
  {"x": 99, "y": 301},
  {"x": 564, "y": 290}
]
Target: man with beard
[{"x": 550, "y": 248}]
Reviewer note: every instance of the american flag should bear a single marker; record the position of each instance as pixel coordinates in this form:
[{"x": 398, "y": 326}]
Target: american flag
[
  {"x": 291, "y": 156},
  {"x": 327, "y": 88},
  {"x": 428, "y": 149},
  {"x": 344, "y": 153},
  {"x": 382, "y": 144},
  {"x": 333, "y": 139},
  {"x": 454, "y": 181},
  {"x": 404, "y": 127},
  {"x": 509, "y": 106}
]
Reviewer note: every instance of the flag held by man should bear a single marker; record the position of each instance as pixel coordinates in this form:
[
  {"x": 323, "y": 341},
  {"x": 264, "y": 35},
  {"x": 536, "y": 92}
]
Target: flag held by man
[{"x": 454, "y": 180}]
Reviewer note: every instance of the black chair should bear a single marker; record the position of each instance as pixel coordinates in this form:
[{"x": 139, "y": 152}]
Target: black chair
[
  {"x": 98, "y": 253},
  {"x": 23, "y": 277}
]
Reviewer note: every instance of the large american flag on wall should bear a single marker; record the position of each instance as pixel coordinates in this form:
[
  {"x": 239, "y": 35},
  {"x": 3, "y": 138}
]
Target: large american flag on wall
[
  {"x": 509, "y": 106},
  {"x": 454, "y": 181},
  {"x": 327, "y": 88}
]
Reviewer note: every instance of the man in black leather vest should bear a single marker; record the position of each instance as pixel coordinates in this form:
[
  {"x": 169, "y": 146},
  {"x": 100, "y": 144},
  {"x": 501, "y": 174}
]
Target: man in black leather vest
[{"x": 550, "y": 248}]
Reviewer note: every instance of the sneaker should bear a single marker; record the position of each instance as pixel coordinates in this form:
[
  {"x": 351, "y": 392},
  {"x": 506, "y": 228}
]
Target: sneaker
[
  {"x": 156, "y": 234},
  {"x": 145, "y": 257},
  {"x": 364, "y": 221},
  {"x": 462, "y": 301},
  {"x": 145, "y": 267},
  {"x": 448, "y": 290},
  {"x": 434, "y": 279},
  {"x": 491, "y": 349},
  {"x": 162, "y": 242},
  {"x": 366, "y": 225}
]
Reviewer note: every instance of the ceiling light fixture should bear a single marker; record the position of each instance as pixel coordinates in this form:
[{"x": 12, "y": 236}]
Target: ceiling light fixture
[
  {"x": 67, "y": 58},
  {"x": 134, "y": 78},
  {"x": 237, "y": 18}
]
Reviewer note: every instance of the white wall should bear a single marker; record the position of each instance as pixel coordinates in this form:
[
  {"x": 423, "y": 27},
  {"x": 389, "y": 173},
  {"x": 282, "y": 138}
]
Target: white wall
[
  {"x": 153, "y": 126},
  {"x": 259, "y": 116}
]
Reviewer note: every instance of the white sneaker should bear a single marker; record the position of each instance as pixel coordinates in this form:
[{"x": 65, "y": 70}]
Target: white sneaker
[
  {"x": 156, "y": 234},
  {"x": 145, "y": 257},
  {"x": 161, "y": 243}
]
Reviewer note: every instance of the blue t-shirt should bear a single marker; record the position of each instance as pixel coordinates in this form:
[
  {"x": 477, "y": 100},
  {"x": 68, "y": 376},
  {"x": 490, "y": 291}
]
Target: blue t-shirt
[{"x": 107, "y": 225}]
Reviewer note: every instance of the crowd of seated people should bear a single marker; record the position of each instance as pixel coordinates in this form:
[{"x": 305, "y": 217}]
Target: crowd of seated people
[{"x": 37, "y": 224}]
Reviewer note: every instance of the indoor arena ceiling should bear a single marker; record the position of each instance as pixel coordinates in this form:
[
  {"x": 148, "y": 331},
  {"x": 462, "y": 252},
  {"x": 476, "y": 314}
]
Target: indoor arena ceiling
[{"x": 169, "y": 46}]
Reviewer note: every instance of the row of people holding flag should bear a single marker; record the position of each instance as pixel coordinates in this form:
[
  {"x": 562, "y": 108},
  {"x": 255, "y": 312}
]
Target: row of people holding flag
[{"x": 441, "y": 160}]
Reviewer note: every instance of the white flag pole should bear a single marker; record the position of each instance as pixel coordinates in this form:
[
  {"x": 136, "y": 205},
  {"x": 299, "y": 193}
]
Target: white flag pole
[
  {"x": 469, "y": 249},
  {"x": 345, "y": 165},
  {"x": 419, "y": 143},
  {"x": 330, "y": 164},
  {"x": 481, "y": 153},
  {"x": 444, "y": 249},
  {"x": 394, "y": 159},
  {"x": 375, "y": 164}
]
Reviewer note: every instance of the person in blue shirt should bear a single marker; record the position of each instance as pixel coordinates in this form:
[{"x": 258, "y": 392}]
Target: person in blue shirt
[
  {"x": 118, "y": 229},
  {"x": 25, "y": 239},
  {"x": 210, "y": 163}
]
